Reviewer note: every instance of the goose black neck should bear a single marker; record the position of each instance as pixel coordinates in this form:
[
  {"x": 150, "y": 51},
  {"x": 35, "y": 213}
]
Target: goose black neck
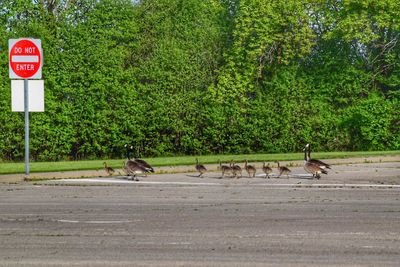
[
  {"x": 305, "y": 154},
  {"x": 128, "y": 154}
]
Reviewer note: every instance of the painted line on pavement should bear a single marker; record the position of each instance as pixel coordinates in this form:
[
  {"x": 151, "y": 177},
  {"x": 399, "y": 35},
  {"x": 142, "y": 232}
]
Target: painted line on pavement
[
  {"x": 93, "y": 222},
  {"x": 335, "y": 185},
  {"x": 272, "y": 185},
  {"x": 117, "y": 181}
]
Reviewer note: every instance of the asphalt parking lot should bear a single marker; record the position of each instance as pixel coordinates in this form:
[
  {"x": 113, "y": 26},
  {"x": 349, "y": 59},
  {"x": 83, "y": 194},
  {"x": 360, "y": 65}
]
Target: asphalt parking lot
[{"x": 351, "y": 217}]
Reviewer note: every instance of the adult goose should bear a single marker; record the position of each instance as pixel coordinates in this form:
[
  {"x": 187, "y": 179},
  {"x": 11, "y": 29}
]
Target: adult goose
[
  {"x": 135, "y": 167},
  {"x": 250, "y": 169},
  {"x": 132, "y": 169},
  {"x": 317, "y": 162},
  {"x": 267, "y": 170},
  {"x": 140, "y": 162},
  {"x": 283, "y": 170},
  {"x": 200, "y": 168},
  {"x": 312, "y": 168}
]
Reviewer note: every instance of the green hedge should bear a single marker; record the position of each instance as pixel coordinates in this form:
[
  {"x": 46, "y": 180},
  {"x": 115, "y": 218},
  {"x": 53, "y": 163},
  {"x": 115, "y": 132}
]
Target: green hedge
[{"x": 193, "y": 77}]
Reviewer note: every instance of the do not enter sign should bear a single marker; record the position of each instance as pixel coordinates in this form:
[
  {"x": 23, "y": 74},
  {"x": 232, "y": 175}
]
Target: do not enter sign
[{"x": 25, "y": 58}]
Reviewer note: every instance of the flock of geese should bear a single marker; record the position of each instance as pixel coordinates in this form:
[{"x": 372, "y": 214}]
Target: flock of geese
[
  {"x": 136, "y": 166},
  {"x": 313, "y": 166},
  {"x": 236, "y": 171}
]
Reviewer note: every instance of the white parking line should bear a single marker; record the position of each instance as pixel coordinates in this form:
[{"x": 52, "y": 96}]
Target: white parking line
[
  {"x": 93, "y": 222},
  {"x": 335, "y": 185},
  {"x": 119, "y": 181},
  {"x": 271, "y": 185}
]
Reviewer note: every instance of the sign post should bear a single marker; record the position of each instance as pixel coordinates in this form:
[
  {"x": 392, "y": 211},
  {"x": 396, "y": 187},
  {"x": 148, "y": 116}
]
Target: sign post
[
  {"x": 25, "y": 62},
  {"x": 26, "y": 110}
]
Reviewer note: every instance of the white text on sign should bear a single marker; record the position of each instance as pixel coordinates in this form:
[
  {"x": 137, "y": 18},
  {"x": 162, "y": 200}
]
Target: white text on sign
[
  {"x": 25, "y": 67},
  {"x": 25, "y": 50}
]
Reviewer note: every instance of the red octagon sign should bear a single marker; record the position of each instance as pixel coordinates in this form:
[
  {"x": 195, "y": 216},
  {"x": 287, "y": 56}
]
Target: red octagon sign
[{"x": 25, "y": 58}]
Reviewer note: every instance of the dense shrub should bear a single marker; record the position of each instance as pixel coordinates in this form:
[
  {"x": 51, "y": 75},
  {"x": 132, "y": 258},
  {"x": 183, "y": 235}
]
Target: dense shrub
[{"x": 206, "y": 76}]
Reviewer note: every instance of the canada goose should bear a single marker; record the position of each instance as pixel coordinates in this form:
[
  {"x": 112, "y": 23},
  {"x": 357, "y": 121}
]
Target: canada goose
[
  {"x": 109, "y": 170},
  {"x": 267, "y": 170},
  {"x": 236, "y": 169},
  {"x": 140, "y": 162},
  {"x": 132, "y": 169},
  {"x": 317, "y": 162},
  {"x": 225, "y": 169},
  {"x": 283, "y": 170},
  {"x": 200, "y": 168},
  {"x": 251, "y": 170},
  {"x": 312, "y": 168}
]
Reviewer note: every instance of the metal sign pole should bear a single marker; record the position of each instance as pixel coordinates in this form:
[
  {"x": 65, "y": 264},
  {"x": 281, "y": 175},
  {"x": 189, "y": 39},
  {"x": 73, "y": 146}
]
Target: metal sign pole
[{"x": 26, "y": 108}]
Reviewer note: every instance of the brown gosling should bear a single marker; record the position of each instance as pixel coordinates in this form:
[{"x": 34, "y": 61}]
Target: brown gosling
[
  {"x": 224, "y": 169},
  {"x": 267, "y": 170},
  {"x": 250, "y": 169},
  {"x": 237, "y": 170},
  {"x": 109, "y": 170},
  {"x": 283, "y": 170},
  {"x": 200, "y": 168}
]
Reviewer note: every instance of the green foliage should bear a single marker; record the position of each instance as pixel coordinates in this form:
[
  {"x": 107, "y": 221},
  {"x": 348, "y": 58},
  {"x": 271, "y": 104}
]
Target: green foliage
[
  {"x": 175, "y": 77},
  {"x": 266, "y": 34},
  {"x": 371, "y": 124}
]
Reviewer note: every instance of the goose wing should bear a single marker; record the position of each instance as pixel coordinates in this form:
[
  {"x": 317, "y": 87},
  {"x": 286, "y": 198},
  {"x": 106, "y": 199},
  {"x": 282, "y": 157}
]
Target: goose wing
[
  {"x": 132, "y": 168},
  {"x": 319, "y": 163},
  {"x": 313, "y": 168},
  {"x": 200, "y": 167},
  {"x": 144, "y": 164}
]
